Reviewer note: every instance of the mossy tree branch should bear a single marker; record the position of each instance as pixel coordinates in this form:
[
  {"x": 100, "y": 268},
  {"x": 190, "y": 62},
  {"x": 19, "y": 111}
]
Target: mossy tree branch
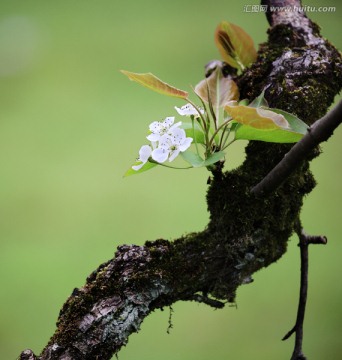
[{"x": 302, "y": 73}]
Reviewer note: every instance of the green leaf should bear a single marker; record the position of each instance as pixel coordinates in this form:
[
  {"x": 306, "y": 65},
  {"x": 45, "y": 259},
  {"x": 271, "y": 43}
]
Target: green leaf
[
  {"x": 245, "y": 132},
  {"x": 296, "y": 125},
  {"x": 244, "y": 102},
  {"x": 259, "y": 118},
  {"x": 192, "y": 158},
  {"x": 199, "y": 136},
  {"x": 235, "y": 45},
  {"x": 296, "y": 130},
  {"x": 196, "y": 161},
  {"x": 213, "y": 158},
  {"x": 145, "y": 167},
  {"x": 152, "y": 82},
  {"x": 260, "y": 101}
]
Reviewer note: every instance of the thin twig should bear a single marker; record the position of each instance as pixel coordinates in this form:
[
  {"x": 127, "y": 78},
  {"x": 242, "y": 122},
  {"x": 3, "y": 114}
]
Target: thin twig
[
  {"x": 304, "y": 242},
  {"x": 170, "y": 320},
  {"x": 206, "y": 300},
  {"x": 320, "y": 131}
]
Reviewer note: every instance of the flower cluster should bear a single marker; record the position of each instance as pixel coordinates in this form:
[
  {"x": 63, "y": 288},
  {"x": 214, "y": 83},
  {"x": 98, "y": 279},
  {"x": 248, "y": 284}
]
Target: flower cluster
[
  {"x": 167, "y": 141},
  {"x": 223, "y": 118}
]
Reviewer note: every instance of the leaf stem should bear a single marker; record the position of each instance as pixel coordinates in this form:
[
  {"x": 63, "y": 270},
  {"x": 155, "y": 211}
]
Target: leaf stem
[
  {"x": 229, "y": 143},
  {"x": 193, "y": 133},
  {"x": 218, "y": 79},
  {"x": 169, "y": 166},
  {"x": 206, "y": 130},
  {"x": 211, "y": 107},
  {"x": 218, "y": 129},
  {"x": 224, "y": 136}
]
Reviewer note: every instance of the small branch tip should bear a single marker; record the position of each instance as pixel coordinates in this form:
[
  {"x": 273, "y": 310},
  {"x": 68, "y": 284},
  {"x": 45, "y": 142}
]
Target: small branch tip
[
  {"x": 27, "y": 355},
  {"x": 288, "y": 335},
  {"x": 206, "y": 300}
]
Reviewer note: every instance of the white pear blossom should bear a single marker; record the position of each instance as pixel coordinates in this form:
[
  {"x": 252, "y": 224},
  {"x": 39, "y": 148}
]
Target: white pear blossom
[
  {"x": 144, "y": 154},
  {"x": 170, "y": 145},
  {"x": 160, "y": 128},
  {"x": 167, "y": 141},
  {"x": 188, "y": 110}
]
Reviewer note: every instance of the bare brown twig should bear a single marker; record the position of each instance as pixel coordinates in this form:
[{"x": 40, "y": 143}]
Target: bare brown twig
[{"x": 304, "y": 242}]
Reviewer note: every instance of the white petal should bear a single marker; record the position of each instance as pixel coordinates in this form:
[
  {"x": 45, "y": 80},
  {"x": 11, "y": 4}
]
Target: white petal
[
  {"x": 160, "y": 155},
  {"x": 168, "y": 121},
  {"x": 144, "y": 153},
  {"x": 153, "y": 137},
  {"x": 174, "y": 126},
  {"x": 178, "y": 136},
  {"x": 188, "y": 110},
  {"x": 165, "y": 141},
  {"x": 180, "y": 111},
  {"x": 137, "y": 167},
  {"x": 174, "y": 154},
  {"x": 155, "y": 127},
  {"x": 186, "y": 144}
]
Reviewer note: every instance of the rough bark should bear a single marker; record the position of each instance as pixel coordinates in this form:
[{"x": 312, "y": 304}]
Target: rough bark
[{"x": 301, "y": 73}]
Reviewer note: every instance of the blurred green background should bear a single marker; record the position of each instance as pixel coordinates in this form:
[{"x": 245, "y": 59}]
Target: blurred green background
[{"x": 70, "y": 126}]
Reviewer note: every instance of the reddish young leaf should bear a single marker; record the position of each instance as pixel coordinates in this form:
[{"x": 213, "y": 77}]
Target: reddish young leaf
[
  {"x": 235, "y": 45},
  {"x": 152, "y": 82},
  {"x": 257, "y": 117},
  {"x": 221, "y": 89}
]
